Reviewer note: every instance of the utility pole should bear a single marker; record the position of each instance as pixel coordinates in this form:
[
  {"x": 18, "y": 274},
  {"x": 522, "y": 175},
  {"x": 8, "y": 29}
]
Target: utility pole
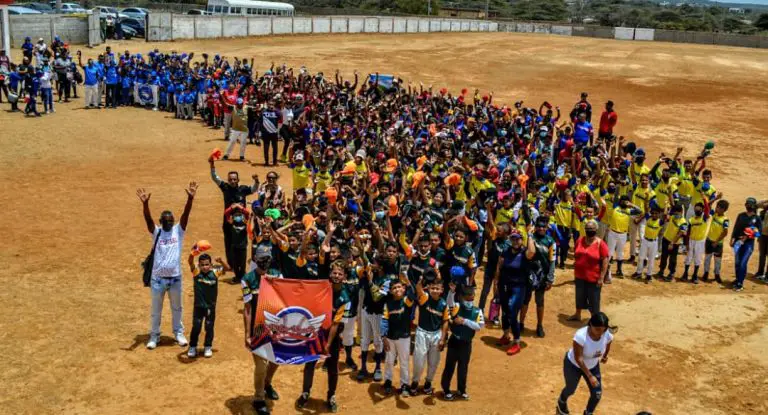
[
  {"x": 429, "y": 8},
  {"x": 486, "y": 8}
]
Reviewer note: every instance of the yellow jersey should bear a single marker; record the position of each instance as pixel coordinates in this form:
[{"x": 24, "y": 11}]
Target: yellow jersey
[
  {"x": 686, "y": 184},
  {"x": 698, "y": 228},
  {"x": 665, "y": 192},
  {"x": 653, "y": 228},
  {"x": 642, "y": 198},
  {"x": 620, "y": 218},
  {"x": 503, "y": 215},
  {"x": 324, "y": 180},
  {"x": 563, "y": 214},
  {"x": 717, "y": 227},
  {"x": 696, "y": 197},
  {"x": 674, "y": 227},
  {"x": 639, "y": 170},
  {"x": 301, "y": 175}
]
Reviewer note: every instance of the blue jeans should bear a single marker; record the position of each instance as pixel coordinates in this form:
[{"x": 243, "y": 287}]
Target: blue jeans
[
  {"x": 159, "y": 286},
  {"x": 573, "y": 375},
  {"x": 742, "y": 250},
  {"x": 47, "y": 95},
  {"x": 512, "y": 298}
]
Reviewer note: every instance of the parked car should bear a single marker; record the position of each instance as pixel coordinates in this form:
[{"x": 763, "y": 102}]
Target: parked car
[
  {"x": 111, "y": 11},
  {"x": 198, "y": 12},
  {"x": 135, "y": 12},
  {"x": 130, "y": 33},
  {"x": 72, "y": 8},
  {"x": 135, "y": 24},
  {"x": 12, "y": 10},
  {"x": 41, "y": 7}
]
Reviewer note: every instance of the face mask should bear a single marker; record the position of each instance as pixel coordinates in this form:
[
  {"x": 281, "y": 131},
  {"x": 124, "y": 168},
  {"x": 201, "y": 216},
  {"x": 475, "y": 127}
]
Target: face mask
[
  {"x": 611, "y": 190},
  {"x": 699, "y": 213},
  {"x": 468, "y": 304},
  {"x": 380, "y": 215},
  {"x": 591, "y": 232},
  {"x": 238, "y": 219}
]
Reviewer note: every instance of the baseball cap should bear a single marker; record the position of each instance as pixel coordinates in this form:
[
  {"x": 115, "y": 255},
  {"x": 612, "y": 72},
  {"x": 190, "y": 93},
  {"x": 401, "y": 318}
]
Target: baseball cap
[
  {"x": 751, "y": 200},
  {"x": 391, "y": 165},
  {"x": 262, "y": 252},
  {"x": 360, "y": 153},
  {"x": 515, "y": 234}
]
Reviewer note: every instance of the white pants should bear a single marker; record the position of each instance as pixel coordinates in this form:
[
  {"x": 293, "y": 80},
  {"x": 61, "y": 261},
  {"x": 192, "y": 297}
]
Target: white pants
[
  {"x": 101, "y": 92},
  {"x": 648, "y": 251},
  {"x": 636, "y": 231},
  {"x": 371, "y": 331},
  {"x": 234, "y": 137},
  {"x": 227, "y": 124},
  {"x": 91, "y": 95},
  {"x": 602, "y": 229},
  {"x": 426, "y": 349},
  {"x": 202, "y": 100},
  {"x": 695, "y": 252},
  {"x": 348, "y": 335},
  {"x": 616, "y": 243},
  {"x": 159, "y": 286},
  {"x": 400, "y": 349}
]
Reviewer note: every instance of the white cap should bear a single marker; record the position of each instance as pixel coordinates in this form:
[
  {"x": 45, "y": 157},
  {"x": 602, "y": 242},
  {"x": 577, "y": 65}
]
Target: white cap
[{"x": 360, "y": 153}]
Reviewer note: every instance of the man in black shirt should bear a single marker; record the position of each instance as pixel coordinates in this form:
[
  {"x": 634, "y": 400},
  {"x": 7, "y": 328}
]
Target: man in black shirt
[
  {"x": 748, "y": 225},
  {"x": 233, "y": 193}
]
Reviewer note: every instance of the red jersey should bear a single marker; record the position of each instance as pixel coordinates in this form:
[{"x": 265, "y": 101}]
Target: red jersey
[
  {"x": 230, "y": 99},
  {"x": 607, "y": 122}
]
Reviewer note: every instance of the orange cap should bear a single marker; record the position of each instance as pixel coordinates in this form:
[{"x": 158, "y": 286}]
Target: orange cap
[
  {"x": 308, "y": 220},
  {"x": 349, "y": 168},
  {"x": 331, "y": 194},
  {"x": 201, "y": 246},
  {"x": 453, "y": 179},
  {"x": 393, "y": 208},
  {"x": 420, "y": 162},
  {"x": 418, "y": 177},
  {"x": 391, "y": 165},
  {"x": 216, "y": 154}
]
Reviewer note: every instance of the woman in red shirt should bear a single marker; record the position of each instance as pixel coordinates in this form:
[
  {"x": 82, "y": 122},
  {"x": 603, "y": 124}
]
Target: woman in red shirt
[{"x": 590, "y": 268}]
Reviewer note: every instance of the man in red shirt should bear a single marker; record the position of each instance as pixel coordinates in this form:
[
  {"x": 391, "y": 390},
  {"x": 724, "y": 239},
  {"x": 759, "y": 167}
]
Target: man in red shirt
[
  {"x": 228, "y": 99},
  {"x": 607, "y": 121}
]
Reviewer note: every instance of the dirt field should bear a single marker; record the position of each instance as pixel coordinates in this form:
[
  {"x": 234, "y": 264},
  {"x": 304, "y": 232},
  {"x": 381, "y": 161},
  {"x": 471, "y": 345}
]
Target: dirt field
[{"x": 75, "y": 316}]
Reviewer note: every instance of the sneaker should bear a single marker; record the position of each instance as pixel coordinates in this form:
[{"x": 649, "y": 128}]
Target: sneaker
[
  {"x": 260, "y": 407},
  {"x": 208, "y": 352},
  {"x": 631, "y": 258},
  {"x": 738, "y": 288},
  {"x": 332, "y": 405},
  {"x": 361, "y": 375},
  {"x": 684, "y": 278},
  {"x": 503, "y": 341},
  {"x": 404, "y": 391},
  {"x": 388, "y": 387},
  {"x": 428, "y": 388},
  {"x": 192, "y": 352},
  {"x": 283, "y": 158},
  {"x": 152, "y": 343},
  {"x": 695, "y": 280},
  {"x": 303, "y": 399},
  {"x": 648, "y": 279},
  {"x": 377, "y": 375},
  {"x": 562, "y": 408},
  {"x": 181, "y": 340},
  {"x": 540, "y": 331},
  {"x": 464, "y": 396},
  {"x": 717, "y": 279},
  {"x": 351, "y": 364},
  {"x": 669, "y": 278},
  {"x": 514, "y": 349},
  {"x": 448, "y": 396},
  {"x": 271, "y": 393},
  {"x": 619, "y": 274},
  {"x": 242, "y": 158},
  {"x": 760, "y": 277},
  {"x": 414, "y": 388},
  {"x": 705, "y": 277},
  {"x": 637, "y": 276},
  {"x": 226, "y": 157}
]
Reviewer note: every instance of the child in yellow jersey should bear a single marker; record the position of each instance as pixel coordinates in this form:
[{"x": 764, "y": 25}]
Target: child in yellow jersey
[
  {"x": 649, "y": 244},
  {"x": 674, "y": 231},
  {"x": 641, "y": 197},
  {"x": 621, "y": 214},
  {"x": 563, "y": 217},
  {"x": 718, "y": 230},
  {"x": 697, "y": 237},
  {"x": 301, "y": 172},
  {"x": 322, "y": 178}
]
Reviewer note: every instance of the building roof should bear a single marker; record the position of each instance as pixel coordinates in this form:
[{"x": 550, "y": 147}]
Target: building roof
[{"x": 252, "y": 3}]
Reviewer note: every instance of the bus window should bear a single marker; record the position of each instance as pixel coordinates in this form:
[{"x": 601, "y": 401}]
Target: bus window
[
  {"x": 217, "y": 9},
  {"x": 210, "y": 9}
]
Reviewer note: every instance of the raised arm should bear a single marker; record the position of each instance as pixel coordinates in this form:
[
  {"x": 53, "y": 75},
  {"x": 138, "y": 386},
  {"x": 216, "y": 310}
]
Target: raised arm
[
  {"x": 191, "y": 191},
  {"x": 144, "y": 197}
]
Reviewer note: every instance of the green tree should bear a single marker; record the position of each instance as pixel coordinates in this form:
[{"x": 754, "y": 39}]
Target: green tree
[
  {"x": 549, "y": 10},
  {"x": 733, "y": 24},
  {"x": 761, "y": 22}
]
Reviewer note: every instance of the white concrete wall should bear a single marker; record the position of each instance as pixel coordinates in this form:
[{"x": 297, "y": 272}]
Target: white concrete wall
[
  {"x": 356, "y": 25},
  {"x": 302, "y": 25},
  {"x": 339, "y": 25},
  {"x": 321, "y": 25},
  {"x": 183, "y": 27},
  {"x": 445, "y": 26},
  {"x": 434, "y": 25},
  {"x": 644, "y": 34},
  {"x": 208, "y": 27},
  {"x": 465, "y": 26},
  {"x": 524, "y": 27},
  {"x": 400, "y": 25},
  {"x": 493, "y": 27},
  {"x": 282, "y": 25},
  {"x": 455, "y": 26},
  {"x": 371, "y": 25},
  {"x": 235, "y": 26},
  {"x": 541, "y": 28},
  {"x": 561, "y": 30},
  {"x": 474, "y": 26},
  {"x": 624, "y": 33},
  {"x": 259, "y": 26},
  {"x": 412, "y": 25},
  {"x": 424, "y": 26},
  {"x": 484, "y": 26},
  {"x": 386, "y": 24}
]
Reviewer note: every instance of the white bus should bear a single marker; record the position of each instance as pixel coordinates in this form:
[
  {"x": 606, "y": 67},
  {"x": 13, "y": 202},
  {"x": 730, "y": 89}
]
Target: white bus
[{"x": 249, "y": 8}]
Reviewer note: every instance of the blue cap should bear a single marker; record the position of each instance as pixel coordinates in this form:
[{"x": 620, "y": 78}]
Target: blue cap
[{"x": 457, "y": 272}]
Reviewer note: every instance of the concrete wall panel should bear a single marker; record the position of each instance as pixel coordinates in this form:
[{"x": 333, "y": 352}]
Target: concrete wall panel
[
  {"x": 259, "y": 26},
  {"x": 371, "y": 25},
  {"x": 386, "y": 24},
  {"x": 71, "y": 29},
  {"x": 321, "y": 25},
  {"x": 207, "y": 27},
  {"x": 183, "y": 27},
  {"x": 455, "y": 26},
  {"x": 282, "y": 25},
  {"x": 400, "y": 25},
  {"x": 412, "y": 25},
  {"x": 474, "y": 26},
  {"x": 541, "y": 28},
  {"x": 356, "y": 25},
  {"x": 624, "y": 33},
  {"x": 235, "y": 26},
  {"x": 445, "y": 26},
  {"x": 424, "y": 26},
  {"x": 484, "y": 26},
  {"x": 704, "y": 38},
  {"x": 524, "y": 27},
  {"x": 434, "y": 25},
  {"x": 493, "y": 27},
  {"x": 737, "y": 40},
  {"x": 465, "y": 26},
  {"x": 643, "y": 34},
  {"x": 302, "y": 25},
  {"x": 604, "y": 32},
  {"x": 339, "y": 25},
  {"x": 561, "y": 30},
  {"x": 34, "y": 26}
]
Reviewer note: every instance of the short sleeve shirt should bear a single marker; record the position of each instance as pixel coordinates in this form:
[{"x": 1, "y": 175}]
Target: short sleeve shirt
[{"x": 167, "y": 261}]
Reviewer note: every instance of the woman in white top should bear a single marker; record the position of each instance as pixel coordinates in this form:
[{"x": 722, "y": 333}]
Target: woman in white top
[{"x": 591, "y": 346}]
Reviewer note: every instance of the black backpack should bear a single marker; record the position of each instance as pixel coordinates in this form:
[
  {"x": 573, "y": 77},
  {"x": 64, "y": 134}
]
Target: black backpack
[{"x": 149, "y": 262}]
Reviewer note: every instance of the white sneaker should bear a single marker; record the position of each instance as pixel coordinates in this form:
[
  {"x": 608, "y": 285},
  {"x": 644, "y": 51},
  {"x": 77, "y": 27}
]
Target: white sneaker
[
  {"x": 181, "y": 340},
  {"x": 152, "y": 343},
  {"x": 208, "y": 352},
  {"x": 192, "y": 352}
]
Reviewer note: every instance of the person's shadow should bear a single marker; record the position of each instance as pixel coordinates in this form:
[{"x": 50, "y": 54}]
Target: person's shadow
[
  {"x": 564, "y": 283},
  {"x": 376, "y": 392},
  {"x": 142, "y": 339},
  {"x": 240, "y": 405},
  {"x": 313, "y": 406},
  {"x": 492, "y": 342},
  {"x": 563, "y": 319}
]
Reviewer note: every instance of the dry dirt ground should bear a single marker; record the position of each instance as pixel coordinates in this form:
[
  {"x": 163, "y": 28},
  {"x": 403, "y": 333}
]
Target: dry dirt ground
[{"x": 75, "y": 315}]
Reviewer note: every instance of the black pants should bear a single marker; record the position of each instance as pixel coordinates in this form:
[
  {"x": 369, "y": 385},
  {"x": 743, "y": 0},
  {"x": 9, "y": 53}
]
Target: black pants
[
  {"x": 588, "y": 296},
  {"x": 668, "y": 259},
  {"x": 227, "y": 243},
  {"x": 198, "y": 315},
  {"x": 762, "y": 253},
  {"x": 333, "y": 368},
  {"x": 113, "y": 92},
  {"x": 239, "y": 256},
  {"x": 458, "y": 353},
  {"x": 286, "y": 133},
  {"x": 488, "y": 274},
  {"x": 63, "y": 87},
  {"x": 563, "y": 244},
  {"x": 270, "y": 139}
]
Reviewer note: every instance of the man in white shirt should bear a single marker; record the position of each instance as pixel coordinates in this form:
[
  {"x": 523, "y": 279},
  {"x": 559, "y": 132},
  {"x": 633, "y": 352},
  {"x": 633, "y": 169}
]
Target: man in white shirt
[{"x": 166, "y": 267}]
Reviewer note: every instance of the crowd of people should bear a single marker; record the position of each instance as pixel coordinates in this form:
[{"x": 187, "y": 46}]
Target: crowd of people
[{"x": 408, "y": 199}]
